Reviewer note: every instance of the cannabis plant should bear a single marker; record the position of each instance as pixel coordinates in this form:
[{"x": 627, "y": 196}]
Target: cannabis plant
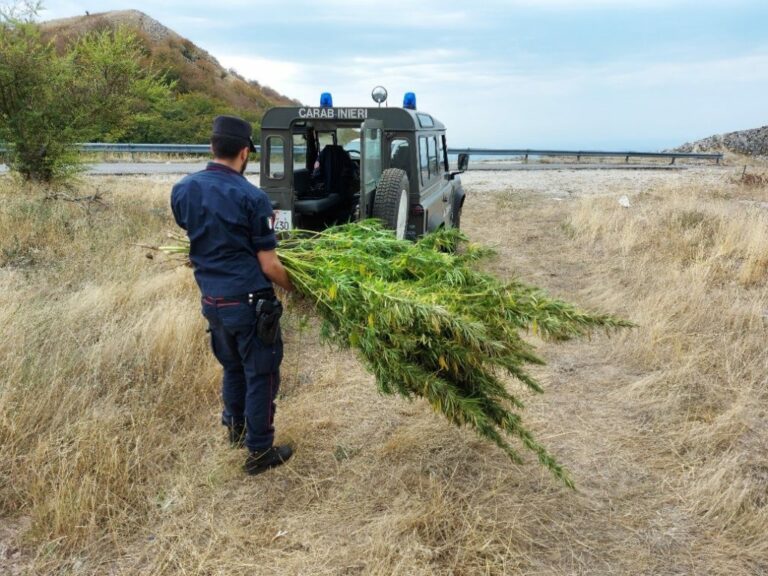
[{"x": 427, "y": 323}]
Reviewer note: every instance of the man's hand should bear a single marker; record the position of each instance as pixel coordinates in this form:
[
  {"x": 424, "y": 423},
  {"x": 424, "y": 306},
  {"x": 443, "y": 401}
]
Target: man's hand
[{"x": 273, "y": 269}]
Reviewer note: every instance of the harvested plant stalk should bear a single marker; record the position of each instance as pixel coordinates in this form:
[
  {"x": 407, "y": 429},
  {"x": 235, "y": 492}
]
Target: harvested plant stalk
[{"x": 428, "y": 324}]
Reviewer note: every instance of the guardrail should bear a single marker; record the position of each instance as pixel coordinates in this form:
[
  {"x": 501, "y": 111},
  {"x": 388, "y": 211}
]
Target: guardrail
[
  {"x": 524, "y": 152},
  {"x": 147, "y": 148},
  {"x": 588, "y": 153},
  {"x": 141, "y": 148}
]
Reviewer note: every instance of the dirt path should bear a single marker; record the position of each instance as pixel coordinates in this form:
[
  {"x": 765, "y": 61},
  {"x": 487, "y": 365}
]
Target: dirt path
[
  {"x": 629, "y": 516},
  {"x": 12, "y": 560}
]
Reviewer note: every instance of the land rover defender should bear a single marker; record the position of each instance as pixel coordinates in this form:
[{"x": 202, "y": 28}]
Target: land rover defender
[{"x": 323, "y": 165}]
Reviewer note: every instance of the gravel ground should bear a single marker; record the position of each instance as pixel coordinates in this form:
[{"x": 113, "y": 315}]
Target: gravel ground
[{"x": 567, "y": 183}]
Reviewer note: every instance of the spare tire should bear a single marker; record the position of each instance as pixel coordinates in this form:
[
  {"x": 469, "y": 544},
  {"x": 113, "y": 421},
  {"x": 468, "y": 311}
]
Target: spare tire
[{"x": 390, "y": 203}]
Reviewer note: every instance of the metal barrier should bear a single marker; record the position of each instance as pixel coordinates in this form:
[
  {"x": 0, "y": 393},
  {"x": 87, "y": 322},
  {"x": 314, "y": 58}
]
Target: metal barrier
[
  {"x": 148, "y": 148},
  {"x": 190, "y": 149},
  {"x": 588, "y": 153},
  {"x": 204, "y": 149}
]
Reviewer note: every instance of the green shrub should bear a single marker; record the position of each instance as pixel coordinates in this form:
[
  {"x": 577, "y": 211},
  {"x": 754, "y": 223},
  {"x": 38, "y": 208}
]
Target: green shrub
[{"x": 49, "y": 102}]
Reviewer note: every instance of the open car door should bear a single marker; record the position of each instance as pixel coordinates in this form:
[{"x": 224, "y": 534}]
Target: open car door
[{"x": 371, "y": 145}]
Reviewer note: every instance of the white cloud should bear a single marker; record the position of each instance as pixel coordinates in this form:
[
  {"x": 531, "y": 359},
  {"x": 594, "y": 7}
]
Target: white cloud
[
  {"x": 351, "y": 79},
  {"x": 741, "y": 69},
  {"x": 581, "y": 5},
  {"x": 429, "y": 14},
  {"x": 485, "y": 100},
  {"x": 443, "y": 72},
  {"x": 284, "y": 76}
]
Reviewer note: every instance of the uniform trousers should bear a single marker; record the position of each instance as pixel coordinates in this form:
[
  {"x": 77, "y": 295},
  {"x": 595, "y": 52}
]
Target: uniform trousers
[{"x": 251, "y": 370}]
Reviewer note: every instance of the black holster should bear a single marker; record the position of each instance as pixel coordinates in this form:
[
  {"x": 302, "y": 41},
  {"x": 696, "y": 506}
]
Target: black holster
[{"x": 268, "y": 313}]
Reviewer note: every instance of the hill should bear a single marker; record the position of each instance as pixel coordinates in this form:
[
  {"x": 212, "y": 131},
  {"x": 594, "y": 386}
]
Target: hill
[
  {"x": 203, "y": 87},
  {"x": 744, "y": 142}
]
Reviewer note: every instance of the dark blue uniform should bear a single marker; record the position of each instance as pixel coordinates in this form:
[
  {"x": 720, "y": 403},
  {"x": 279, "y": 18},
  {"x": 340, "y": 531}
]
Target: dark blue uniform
[{"x": 228, "y": 220}]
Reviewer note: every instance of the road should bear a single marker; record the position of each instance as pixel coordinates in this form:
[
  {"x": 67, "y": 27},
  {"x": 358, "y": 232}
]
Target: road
[{"x": 148, "y": 168}]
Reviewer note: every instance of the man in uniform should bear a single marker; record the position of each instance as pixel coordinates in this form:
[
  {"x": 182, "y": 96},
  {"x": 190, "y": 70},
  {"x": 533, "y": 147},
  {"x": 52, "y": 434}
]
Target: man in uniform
[{"x": 232, "y": 249}]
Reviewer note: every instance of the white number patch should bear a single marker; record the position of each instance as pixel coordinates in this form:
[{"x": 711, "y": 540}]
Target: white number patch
[{"x": 282, "y": 221}]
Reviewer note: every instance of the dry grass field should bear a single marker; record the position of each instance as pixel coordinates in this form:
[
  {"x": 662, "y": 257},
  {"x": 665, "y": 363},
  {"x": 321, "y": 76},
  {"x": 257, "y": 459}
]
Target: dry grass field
[{"x": 112, "y": 460}]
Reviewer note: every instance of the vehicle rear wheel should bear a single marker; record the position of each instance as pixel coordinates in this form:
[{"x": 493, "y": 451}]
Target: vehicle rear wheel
[
  {"x": 390, "y": 204},
  {"x": 457, "y": 216}
]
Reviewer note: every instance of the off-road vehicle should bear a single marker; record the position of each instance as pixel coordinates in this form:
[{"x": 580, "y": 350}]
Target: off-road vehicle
[{"x": 324, "y": 165}]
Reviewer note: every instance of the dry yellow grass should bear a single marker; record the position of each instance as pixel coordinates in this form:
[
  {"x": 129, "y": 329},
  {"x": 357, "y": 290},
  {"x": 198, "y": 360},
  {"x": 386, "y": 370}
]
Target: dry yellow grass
[{"x": 112, "y": 460}]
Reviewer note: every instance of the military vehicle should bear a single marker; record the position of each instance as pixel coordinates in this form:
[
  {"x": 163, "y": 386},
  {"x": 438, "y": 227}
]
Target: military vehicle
[{"x": 327, "y": 165}]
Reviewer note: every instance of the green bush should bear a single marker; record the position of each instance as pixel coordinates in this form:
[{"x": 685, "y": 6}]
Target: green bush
[
  {"x": 184, "y": 118},
  {"x": 49, "y": 102}
]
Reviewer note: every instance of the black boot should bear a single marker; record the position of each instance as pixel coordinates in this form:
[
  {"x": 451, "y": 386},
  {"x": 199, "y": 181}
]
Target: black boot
[
  {"x": 258, "y": 462},
  {"x": 236, "y": 435}
]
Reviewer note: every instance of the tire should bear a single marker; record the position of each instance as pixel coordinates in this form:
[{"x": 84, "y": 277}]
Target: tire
[
  {"x": 391, "y": 203},
  {"x": 457, "y": 216}
]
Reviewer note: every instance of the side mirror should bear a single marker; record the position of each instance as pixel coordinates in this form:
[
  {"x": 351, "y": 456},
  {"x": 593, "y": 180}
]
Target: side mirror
[{"x": 463, "y": 162}]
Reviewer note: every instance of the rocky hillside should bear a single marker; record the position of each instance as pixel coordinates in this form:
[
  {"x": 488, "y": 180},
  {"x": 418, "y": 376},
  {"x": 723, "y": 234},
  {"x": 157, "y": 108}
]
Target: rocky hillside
[
  {"x": 203, "y": 87},
  {"x": 745, "y": 142}
]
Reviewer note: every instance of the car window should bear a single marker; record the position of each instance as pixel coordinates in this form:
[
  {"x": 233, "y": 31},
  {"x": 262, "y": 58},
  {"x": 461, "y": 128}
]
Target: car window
[
  {"x": 424, "y": 159},
  {"x": 400, "y": 153},
  {"x": 350, "y": 139},
  {"x": 299, "y": 152},
  {"x": 432, "y": 141},
  {"x": 325, "y": 139},
  {"x": 425, "y": 120},
  {"x": 400, "y": 156},
  {"x": 275, "y": 158}
]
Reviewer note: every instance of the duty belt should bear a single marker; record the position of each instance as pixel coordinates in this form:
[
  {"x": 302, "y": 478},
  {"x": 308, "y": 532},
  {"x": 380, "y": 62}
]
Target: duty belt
[{"x": 250, "y": 298}]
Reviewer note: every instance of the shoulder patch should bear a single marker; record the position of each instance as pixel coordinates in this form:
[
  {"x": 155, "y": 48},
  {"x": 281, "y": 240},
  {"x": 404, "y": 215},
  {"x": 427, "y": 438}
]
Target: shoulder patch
[{"x": 267, "y": 225}]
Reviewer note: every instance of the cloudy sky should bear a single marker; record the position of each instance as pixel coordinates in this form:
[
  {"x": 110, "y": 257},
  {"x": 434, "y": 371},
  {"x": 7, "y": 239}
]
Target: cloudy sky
[{"x": 618, "y": 74}]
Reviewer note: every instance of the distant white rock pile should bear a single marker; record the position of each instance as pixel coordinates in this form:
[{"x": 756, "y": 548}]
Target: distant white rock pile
[{"x": 746, "y": 142}]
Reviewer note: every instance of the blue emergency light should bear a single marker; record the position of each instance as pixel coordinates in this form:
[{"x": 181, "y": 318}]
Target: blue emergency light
[
  {"x": 409, "y": 101},
  {"x": 326, "y": 100}
]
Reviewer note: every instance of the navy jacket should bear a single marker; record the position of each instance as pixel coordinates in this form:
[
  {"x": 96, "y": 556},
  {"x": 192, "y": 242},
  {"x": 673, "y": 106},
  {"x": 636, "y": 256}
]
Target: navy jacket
[{"x": 228, "y": 220}]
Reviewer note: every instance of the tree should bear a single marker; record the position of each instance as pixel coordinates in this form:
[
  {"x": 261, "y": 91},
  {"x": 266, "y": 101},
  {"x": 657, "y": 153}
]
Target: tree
[
  {"x": 113, "y": 85},
  {"x": 32, "y": 121},
  {"x": 20, "y": 11},
  {"x": 185, "y": 118},
  {"x": 49, "y": 102}
]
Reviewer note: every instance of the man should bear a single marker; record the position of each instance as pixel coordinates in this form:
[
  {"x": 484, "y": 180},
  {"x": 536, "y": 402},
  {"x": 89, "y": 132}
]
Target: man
[{"x": 232, "y": 249}]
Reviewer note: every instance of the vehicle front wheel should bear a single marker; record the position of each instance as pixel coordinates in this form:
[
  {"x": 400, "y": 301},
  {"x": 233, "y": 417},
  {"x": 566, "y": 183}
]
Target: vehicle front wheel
[
  {"x": 457, "y": 216},
  {"x": 390, "y": 204}
]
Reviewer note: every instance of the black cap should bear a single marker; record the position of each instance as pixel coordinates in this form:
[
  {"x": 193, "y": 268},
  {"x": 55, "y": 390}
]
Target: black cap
[{"x": 234, "y": 127}]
